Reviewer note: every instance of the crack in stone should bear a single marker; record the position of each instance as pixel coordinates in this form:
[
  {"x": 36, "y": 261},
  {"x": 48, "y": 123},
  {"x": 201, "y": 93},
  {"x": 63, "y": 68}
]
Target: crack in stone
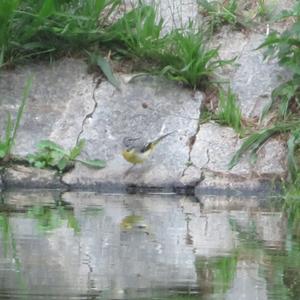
[
  {"x": 208, "y": 159},
  {"x": 64, "y": 184},
  {"x": 90, "y": 114},
  {"x": 2, "y": 183},
  {"x": 192, "y": 141}
]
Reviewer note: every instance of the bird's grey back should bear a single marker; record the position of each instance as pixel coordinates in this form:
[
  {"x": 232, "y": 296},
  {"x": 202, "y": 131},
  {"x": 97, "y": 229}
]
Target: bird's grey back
[{"x": 136, "y": 143}]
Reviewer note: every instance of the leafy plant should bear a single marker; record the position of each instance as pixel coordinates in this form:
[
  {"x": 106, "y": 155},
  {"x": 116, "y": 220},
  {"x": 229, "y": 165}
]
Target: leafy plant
[
  {"x": 186, "y": 58},
  {"x": 34, "y": 28},
  {"x": 286, "y": 97},
  {"x": 11, "y": 129},
  {"x": 96, "y": 59},
  {"x": 52, "y": 27},
  {"x": 139, "y": 31},
  {"x": 52, "y": 155},
  {"x": 285, "y": 47},
  {"x": 257, "y": 139},
  {"x": 262, "y": 9},
  {"x": 228, "y": 111},
  {"x": 219, "y": 12}
]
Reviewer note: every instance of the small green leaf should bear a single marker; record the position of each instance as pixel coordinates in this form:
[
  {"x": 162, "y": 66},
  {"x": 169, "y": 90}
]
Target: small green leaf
[
  {"x": 105, "y": 67},
  {"x": 8, "y": 129},
  {"x": 62, "y": 164},
  {"x": 3, "y": 149},
  {"x": 47, "y": 144},
  {"x": 39, "y": 164},
  {"x": 77, "y": 149},
  {"x": 2, "y": 56},
  {"x": 55, "y": 156},
  {"x": 93, "y": 163},
  {"x": 25, "y": 96}
]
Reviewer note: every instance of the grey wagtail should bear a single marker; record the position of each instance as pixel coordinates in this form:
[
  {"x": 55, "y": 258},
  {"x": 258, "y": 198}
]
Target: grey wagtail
[{"x": 137, "y": 151}]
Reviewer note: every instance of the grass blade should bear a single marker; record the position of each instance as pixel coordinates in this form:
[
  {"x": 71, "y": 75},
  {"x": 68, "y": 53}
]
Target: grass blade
[
  {"x": 8, "y": 129},
  {"x": 47, "y": 144},
  {"x": 93, "y": 163},
  {"x": 256, "y": 140},
  {"x": 75, "y": 151},
  {"x": 105, "y": 67},
  {"x": 20, "y": 112},
  {"x": 291, "y": 159}
]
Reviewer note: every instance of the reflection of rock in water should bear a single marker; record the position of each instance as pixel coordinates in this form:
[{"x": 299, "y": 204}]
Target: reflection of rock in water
[
  {"x": 129, "y": 246},
  {"x": 137, "y": 243}
]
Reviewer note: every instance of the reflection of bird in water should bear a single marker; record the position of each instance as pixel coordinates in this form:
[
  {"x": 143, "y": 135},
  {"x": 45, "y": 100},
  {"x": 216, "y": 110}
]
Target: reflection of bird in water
[
  {"x": 132, "y": 221},
  {"x": 137, "y": 151}
]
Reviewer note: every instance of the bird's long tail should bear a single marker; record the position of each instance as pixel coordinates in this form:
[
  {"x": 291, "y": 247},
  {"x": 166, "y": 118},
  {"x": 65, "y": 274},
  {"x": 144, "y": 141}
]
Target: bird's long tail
[{"x": 156, "y": 141}]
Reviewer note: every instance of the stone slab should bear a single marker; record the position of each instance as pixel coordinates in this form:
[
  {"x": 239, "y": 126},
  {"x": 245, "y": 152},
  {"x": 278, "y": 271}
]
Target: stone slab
[
  {"x": 145, "y": 107},
  {"x": 213, "y": 149},
  {"x": 252, "y": 78},
  {"x": 60, "y": 98},
  {"x": 29, "y": 178}
]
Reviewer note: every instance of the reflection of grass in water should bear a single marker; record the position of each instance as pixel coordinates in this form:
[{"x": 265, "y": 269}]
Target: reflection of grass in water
[
  {"x": 4, "y": 229},
  {"x": 9, "y": 242},
  {"x": 291, "y": 206},
  {"x": 248, "y": 239},
  {"x": 279, "y": 267},
  {"x": 47, "y": 219},
  {"x": 217, "y": 273},
  {"x": 50, "y": 218},
  {"x": 92, "y": 211}
]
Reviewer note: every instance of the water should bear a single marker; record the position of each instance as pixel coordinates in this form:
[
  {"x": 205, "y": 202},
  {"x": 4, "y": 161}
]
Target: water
[{"x": 91, "y": 246}]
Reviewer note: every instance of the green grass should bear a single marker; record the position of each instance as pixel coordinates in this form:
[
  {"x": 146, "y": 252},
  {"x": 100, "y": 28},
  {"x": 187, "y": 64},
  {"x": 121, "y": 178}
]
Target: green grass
[
  {"x": 285, "y": 47},
  {"x": 186, "y": 58},
  {"x": 219, "y": 13},
  {"x": 285, "y": 99},
  {"x": 35, "y": 28},
  {"x": 11, "y": 128},
  {"x": 181, "y": 55},
  {"x": 256, "y": 140},
  {"x": 262, "y": 9},
  {"x": 49, "y": 29},
  {"x": 229, "y": 112},
  {"x": 138, "y": 33}
]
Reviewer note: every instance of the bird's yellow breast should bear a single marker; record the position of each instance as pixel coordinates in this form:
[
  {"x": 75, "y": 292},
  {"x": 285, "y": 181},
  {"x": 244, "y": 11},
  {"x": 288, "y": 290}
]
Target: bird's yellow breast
[{"x": 134, "y": 157}]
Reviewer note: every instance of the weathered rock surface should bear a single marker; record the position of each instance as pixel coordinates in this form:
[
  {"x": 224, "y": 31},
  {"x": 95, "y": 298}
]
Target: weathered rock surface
[
  {"x": 253, "y": 78},
  {"x": 60, "y": 98},
  {"x": 175, "y": 13},
  {"x": 212, "y": 152},
  {"x": 28, "y": 177},
  {"x": 143, "y": 108}
]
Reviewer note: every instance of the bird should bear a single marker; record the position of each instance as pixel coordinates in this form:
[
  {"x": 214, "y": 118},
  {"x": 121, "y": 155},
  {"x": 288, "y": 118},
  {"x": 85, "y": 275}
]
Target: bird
[{"x": 137, "y": 151}]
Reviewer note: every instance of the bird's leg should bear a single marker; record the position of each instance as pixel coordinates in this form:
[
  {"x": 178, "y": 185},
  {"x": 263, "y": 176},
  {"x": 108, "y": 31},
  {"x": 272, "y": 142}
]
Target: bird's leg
[{"x": 128, "y": 171}]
